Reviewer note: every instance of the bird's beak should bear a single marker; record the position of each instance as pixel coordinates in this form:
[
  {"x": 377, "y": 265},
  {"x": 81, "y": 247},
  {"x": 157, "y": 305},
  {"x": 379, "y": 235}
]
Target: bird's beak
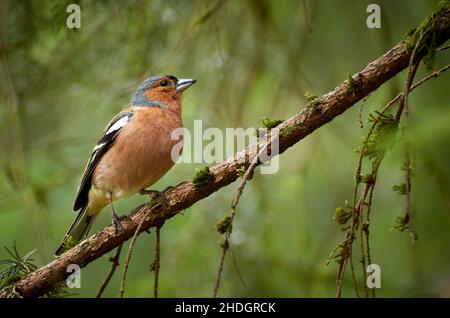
[{"x": 184, "y": 83}]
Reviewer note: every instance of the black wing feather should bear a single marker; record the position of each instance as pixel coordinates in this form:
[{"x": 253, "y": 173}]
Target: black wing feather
[{"x": 105, "y": 142}]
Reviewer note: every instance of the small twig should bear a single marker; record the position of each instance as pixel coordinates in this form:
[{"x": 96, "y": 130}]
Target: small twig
[
  {"x": 443, "y": 48},
  {"x": 115, "y": 262},
  {"x": 157, "y": 260},
  {"x": 361, "y": 125},
  {"x": 234, "y": 203},
  {"x": 363, "y": 252},
  {"x": 225, "y": 246},
  {"x": 408, "y": 183},
  {"x": 356, "y": 221},
  {"x": 423, "y": 80},
  {"x": 241, "y": 278},
  {"x": 348, "y": 242},
  {"x": 340, "y": 279},
  {"x": 130, "y": 250},
  {"x": 404, "y": 99},
  {"x": 352, "y": 269},
  {"x": 366, "y": 231},
  {"x": 332, "y": 253},
  {"x": 412, "y": 69},
  {"x": 430, "y": 76}
]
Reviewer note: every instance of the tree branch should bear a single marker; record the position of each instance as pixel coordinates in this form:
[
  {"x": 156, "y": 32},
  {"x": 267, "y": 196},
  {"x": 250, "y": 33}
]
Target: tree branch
[{"x": 316, "y": 114}]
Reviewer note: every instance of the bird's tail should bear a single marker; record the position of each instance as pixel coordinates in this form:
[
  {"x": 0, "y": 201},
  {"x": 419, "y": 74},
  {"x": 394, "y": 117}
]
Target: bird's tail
[{"x": 78, "y": 230}]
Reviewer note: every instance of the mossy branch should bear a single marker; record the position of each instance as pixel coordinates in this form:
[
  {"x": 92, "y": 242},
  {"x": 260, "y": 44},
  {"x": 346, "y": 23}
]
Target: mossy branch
[{"x": 326, "y": 108}]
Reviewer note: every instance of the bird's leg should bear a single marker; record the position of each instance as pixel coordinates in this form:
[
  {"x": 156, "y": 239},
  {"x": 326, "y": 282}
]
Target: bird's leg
[
  {"x": 157, "y": 196},
  {"x": 115, "y": 218}
]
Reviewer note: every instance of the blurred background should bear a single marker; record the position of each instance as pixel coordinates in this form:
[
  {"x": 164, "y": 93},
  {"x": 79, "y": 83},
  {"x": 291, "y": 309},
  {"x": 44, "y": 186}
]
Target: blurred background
[{"x": 252, "y": 59}]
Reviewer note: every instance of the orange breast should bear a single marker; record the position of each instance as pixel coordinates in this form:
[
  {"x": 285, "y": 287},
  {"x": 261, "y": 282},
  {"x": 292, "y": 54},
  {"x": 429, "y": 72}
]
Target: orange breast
[{"x": 141, "y": 154}]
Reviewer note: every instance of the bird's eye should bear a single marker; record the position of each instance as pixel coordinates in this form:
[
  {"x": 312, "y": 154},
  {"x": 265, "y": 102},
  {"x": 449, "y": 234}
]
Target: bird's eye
[{"x": 163, "y": 83}]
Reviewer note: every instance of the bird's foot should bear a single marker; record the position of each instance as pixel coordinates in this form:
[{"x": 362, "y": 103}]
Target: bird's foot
[
  {"x": 116, "y": 222},
  {"x": 115, "y": 218},
  {"x": 157, "y": 196}
]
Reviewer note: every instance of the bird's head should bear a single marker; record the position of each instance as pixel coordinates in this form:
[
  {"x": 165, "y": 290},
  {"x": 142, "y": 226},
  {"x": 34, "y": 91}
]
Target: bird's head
[{"x": 161, "y": 91}]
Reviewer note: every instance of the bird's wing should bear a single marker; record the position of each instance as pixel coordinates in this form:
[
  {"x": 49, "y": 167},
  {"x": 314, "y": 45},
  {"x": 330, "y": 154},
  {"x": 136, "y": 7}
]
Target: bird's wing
[{"x": 106, "y": 141}]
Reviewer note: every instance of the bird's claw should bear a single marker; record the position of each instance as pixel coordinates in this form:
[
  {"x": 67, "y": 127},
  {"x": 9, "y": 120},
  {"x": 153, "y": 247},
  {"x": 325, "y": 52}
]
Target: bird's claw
[{"x": 117, "y": 226}]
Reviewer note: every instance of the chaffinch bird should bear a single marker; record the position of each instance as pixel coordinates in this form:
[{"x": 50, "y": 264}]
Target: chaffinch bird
[{"x": 133, "y": 152}]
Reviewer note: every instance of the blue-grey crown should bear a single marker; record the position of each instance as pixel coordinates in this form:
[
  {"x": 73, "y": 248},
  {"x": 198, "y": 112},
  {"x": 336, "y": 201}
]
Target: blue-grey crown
[{"x": 139, "y": 99}]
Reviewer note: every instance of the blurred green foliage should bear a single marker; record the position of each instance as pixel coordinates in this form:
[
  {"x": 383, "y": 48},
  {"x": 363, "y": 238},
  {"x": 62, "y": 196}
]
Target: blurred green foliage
[{"x": 252, "y": 59}]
